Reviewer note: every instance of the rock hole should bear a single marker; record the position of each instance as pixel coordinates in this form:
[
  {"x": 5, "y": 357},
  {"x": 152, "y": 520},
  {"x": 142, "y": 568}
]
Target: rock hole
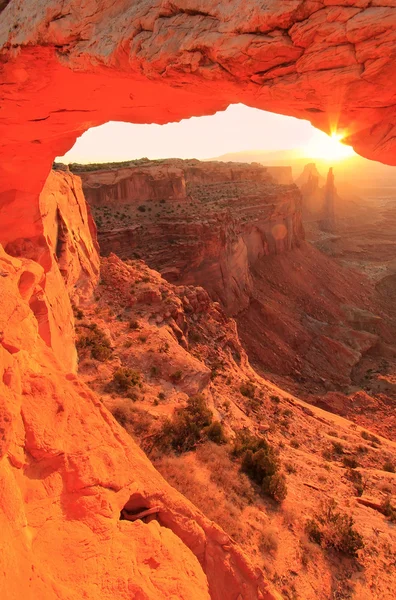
[
  {"x": 138, "y": 509},
  {"x": 25, "y": 283}
]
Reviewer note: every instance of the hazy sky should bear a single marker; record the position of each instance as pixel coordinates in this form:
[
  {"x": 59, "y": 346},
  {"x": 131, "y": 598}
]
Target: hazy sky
[{"x": 236, "y": 129}]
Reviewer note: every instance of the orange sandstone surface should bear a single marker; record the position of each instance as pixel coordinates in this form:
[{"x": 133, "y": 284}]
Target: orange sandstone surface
[{"x": 67, "y": 468}]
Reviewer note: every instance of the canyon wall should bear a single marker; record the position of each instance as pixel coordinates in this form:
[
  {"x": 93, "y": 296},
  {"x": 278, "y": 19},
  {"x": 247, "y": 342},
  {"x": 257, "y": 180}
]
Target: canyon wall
[
  {"x": 65, "y": 259},
  {"x": 67, "y": 468},
  {"x": 231, "y": 216}
]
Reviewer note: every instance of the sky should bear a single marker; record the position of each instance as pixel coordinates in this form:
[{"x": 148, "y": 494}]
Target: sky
[{"x": 236, "y": 129}]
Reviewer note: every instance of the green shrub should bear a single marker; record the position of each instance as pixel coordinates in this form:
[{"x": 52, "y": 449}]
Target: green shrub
[
  {"x": 215, "y": 433},
  {"x": 248, "y": 389},
  {"x": 389, "y": 466},
  {"x": 262, "y": 467},
  {"x": 124, "y": 380},
  {"x": 245, "y": 440},
  {"x": 96, "y": 342},
  {"x": 187, "y": 427},
  {"x": 331, "y": 528}
]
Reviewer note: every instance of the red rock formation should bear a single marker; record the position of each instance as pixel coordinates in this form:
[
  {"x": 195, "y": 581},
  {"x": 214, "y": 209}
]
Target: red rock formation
[
  {"x": 330, "y": 193},
  {"x": 67, "y": 469},
  {"x": 234, "y": 215},
  {"x": 61, "y": 246}
]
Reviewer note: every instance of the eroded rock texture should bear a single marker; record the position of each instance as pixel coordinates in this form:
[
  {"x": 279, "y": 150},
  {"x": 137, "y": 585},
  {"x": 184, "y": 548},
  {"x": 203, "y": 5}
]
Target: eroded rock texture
[
  {"x": 67, "y": 68},
  {"x": 67, "y": 469},
  {"x": 229, "y": 216}
]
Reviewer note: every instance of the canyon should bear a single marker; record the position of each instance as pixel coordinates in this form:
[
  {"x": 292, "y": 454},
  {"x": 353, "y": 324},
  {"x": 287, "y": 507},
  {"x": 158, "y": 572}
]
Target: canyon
[
  {"x": 69, "y": 471},
  {"x": 313, "y": 327}
]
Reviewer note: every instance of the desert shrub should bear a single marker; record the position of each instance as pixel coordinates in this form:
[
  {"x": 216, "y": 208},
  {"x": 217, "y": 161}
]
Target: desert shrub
[
  {"x": 357, "y": 479},
  {"x": 142, "y": 338},
  {"x": 275, "y": 399},
  {"x": 96, "y": 342},
  {"x": 124, "y": 380},
  {"x": 245, "y": 440},
  {"x": 187, "y": 427},
  {"x": 215, "y": 433},
  {"x": 161, "y": 396},
  {"x": 370, "y": 437},
  {"x": 350, "y": 462},
  {"x": 133, "y": 324},
  {"x": 294, "y": 444},
  {"x": 262, "y": 467},
  {"x": 332, "y": 528},
  {"x": 389, "y": 466},
  {"x": 275, "y": 487},
  {"x": 142, "y": 208},
  {"x": 194, "y": 336},
  {"x": 176, "y": 376},
  {"x": 338, "y": 448},
  {"x": 268, "y": 542},
  {"x": 388, "y": 510},
  {"x": 137, "y": 422},
  {"x": 78, "y": 313},
  {"x": 290, "y": 468},
  {"x": 247, "y": 389}
]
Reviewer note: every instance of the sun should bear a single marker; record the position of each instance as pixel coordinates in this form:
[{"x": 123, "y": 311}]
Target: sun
[{"x": 327, "y": 147}]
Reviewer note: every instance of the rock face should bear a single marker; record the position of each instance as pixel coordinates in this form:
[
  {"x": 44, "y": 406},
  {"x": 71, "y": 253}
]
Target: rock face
[
  {"x": 70, "y": 68},
  {"x": 67, "y": 469},
  {"x": 231, "y": 216},
  {"x": 330, "y": 193},
  {"x": 66, "y": 261}
]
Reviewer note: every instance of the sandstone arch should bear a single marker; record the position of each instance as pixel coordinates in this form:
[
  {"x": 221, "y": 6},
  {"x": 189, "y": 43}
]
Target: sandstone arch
[
  {"x": 64, "y": 69},
  {"x": 67, "y": 68}
]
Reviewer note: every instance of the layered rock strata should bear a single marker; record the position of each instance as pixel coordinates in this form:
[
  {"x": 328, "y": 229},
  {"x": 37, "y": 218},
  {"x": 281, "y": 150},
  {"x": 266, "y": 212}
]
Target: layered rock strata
[{"x": 232, "y": 215}]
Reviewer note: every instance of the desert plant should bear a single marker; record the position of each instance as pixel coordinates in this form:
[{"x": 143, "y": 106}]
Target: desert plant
[
  {"x": 350, "y": 462},
  {"x": 176, "y": 376},
  {"x": 248, "y": 389},
  {"x": 96, "y": 342},
  {"x": 124, "y": 380},
  {"x": 215, "y": 433},
  {"x": 387, "y": 508},
  {"x": 389, "y": 466},
  {"x": 332, "y": 528},
  {"x": 187, "y": 427}
]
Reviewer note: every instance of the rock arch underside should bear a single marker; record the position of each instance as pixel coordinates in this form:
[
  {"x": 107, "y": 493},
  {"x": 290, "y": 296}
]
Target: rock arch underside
[{"x": 66, "y": 468}]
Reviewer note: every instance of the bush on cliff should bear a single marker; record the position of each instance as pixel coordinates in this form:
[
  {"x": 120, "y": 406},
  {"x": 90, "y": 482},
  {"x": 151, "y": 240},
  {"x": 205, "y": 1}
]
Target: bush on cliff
[
  {"x": 95, "y": 341},
  {"x": 189, "y": 426},
  {"x": 332, "y": 528},
  {"x": 261, "y": 464}
]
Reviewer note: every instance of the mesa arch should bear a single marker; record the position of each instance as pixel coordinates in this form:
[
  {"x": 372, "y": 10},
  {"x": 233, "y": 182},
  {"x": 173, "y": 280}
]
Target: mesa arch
[
  {"x": 67, "y": 469},
  {"x": 67, "y": 67}
]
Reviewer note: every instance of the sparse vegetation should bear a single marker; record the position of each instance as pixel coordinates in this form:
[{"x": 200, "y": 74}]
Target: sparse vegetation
[
  {"x": 248, "y": 389},
  {"x": 176, "y": 376},
  {"x": 95, "y": 341},
  {"x": 124, "y": 381},
  {"x": 389, "y": 510},
  {"x": 189, "y": 426},
  {"x": 370, "y": 437},
  {"x": 389, "y": 466},
  {"x": 332, "y": 528}
]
